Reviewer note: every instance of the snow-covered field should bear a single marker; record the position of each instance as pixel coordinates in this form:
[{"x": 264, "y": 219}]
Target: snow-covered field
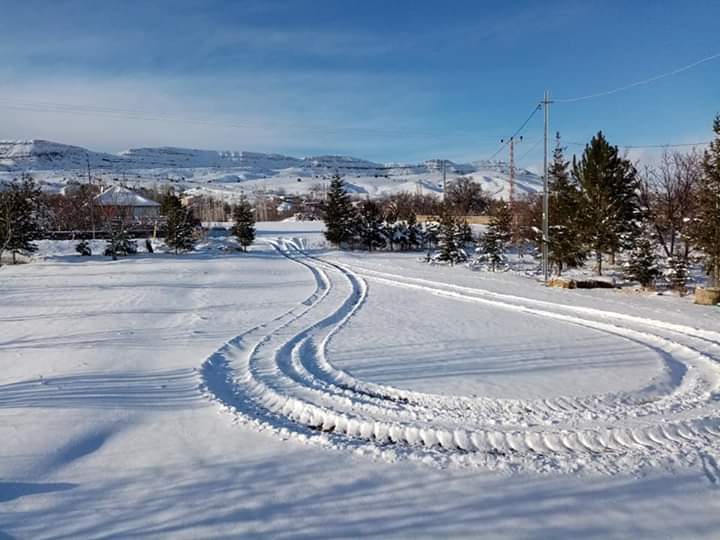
[{"x": 298, "y": 392}]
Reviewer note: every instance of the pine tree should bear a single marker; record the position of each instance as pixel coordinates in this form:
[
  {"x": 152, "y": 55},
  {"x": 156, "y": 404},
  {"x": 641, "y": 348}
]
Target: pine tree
[
  {"x": 678, "y": 272},
  {"x": 642, "y": 265},
  {"x": 393, "y": 233},
  {"x": 181, "y": 224},
  {"x": 338, "y": 213},
  {"x": 414, "y": 232},
  {"x": 464, "y": 233},
  {"x": 608, "y": 186},
  {"x": 565, "y": 245},
  {"x": 707, "y": 226},
  {"x": 493, "y": 249},
  {"x": 244, "y": 227},
  {"x": 20, "y": 217},
  {"x": 498, "y": 235},
  {"x": 502, "y": 221},
  {"x": 6, "y": 221},
  {"x": 430, "y": 235},
  {"x": 83, "y": 248},
  {"x": 396, "y": 234},
  {"x": 448, "y": 248},
  {"x": 119, "y": 241},
  {"x": 369, "y": 226}
]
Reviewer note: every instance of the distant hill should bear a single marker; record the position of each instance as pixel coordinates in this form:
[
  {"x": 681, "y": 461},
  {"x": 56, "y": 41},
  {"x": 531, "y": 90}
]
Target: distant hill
[{"x": 221, "y": 173}]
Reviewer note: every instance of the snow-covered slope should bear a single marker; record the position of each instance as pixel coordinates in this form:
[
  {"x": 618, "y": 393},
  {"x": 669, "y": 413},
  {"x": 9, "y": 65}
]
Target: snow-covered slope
[
  {"x": 38, "y": 155},
  {"x": 192, "y": 396},
  {"x": 220, "y": 172}
]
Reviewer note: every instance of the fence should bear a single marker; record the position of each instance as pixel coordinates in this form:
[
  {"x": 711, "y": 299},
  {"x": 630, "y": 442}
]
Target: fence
[{"x": 472, "y": 220}]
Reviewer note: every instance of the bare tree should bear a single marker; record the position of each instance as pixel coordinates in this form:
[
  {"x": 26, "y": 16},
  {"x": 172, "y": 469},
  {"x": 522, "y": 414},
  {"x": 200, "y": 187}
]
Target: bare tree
[
  {"x": 402, "y": 205},
  {"x": 466, "y": 197},
  {"x": 668, "y": 192},
  {"x": 75, "y": 211}
]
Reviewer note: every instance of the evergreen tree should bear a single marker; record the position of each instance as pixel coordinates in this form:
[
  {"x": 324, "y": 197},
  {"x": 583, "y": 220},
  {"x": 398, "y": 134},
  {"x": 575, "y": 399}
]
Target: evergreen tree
[
  {"x": 244, "y": 227},
  {"x": 493, "y": 248},
  {"x": 608, "y": 187},
  {"x": 678, "y": 272},
  {"x": 464, "y": 233},
  {"x": 6, "y": 222},
  {"x": 642, "y": 265},
  {"x": 181, "y": 224},
  {"x": 393, "y": 233},
  {"x": 502, "y": 221},
  {"x": 369, "y": 230},
  {"x": 19, "y": 217},
  {"x": 83, "y": 248},
  {"x": 565, "y": 244},
  {"x": 338, "y": 213},
  {"x": 497, "y": 237},
  {"x": 119, "y": 241},
  {"x": 414, "y": 232},
  {"x": 448, "y": 248},
  {"x": 707, "y": 226},
  {"x": 396, "y": 234},
  {"x": 168, "y": 202}
]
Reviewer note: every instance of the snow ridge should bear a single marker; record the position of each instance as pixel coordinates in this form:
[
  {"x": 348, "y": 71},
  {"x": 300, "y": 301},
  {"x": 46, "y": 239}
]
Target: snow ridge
[{"x": 50, "y": 161}]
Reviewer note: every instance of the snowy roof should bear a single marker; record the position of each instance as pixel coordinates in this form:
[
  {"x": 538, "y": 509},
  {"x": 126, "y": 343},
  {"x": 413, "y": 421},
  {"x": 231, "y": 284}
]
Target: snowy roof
[{"x": 121, "y": 196}]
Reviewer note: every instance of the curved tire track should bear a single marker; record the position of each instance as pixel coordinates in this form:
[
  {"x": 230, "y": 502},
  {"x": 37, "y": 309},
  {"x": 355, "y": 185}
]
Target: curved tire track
[{"x": 284, "y": 382}]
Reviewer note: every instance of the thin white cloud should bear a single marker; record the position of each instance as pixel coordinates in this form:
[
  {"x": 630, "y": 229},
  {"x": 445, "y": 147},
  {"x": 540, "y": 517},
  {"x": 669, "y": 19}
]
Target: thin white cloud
[{"x": 264, "y": 113}]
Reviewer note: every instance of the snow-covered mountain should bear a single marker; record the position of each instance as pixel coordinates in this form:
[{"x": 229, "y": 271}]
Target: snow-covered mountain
[
  {"x": 38, "y": 155},
  {"x": 220, "y": 172}
]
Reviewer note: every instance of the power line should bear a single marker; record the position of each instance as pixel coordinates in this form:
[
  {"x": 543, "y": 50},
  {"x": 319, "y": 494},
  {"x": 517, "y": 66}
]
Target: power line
[
  {"x": 638, "y": 146},
  {"x": 533, "y": 147},
  {"x": 517, "y": 131},
  {"x": 114, "y": 112},
  {"x": 640, "y": 83}
]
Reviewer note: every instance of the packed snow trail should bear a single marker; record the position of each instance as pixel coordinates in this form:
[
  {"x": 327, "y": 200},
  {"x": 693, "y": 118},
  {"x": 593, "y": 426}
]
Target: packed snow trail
[{"x": 278, "y": 376}]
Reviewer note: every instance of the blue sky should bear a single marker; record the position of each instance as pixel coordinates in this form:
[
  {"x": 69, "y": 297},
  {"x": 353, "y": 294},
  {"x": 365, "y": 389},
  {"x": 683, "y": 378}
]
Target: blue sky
[{"x": 385, "y": 80}]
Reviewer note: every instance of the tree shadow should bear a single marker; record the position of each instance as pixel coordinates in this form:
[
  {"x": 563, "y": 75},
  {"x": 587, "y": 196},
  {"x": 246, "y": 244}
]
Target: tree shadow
[
  {"x": 189, "y": 257},
  {"x": 434, "y": 359},
  {"x": 173, "y": 389},
  {"x": 316, "y": 495}
]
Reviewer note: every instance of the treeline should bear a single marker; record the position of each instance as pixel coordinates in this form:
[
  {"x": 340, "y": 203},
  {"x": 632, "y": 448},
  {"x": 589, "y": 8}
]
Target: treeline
[
  {"x": 391, "y": 223},
  {"x": 661, "y": 219},
  {"x": 27, "y": 214}
]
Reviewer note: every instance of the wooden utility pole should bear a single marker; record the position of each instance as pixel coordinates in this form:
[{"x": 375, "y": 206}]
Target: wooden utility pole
[
  {"x": 511, "y": 196},
  {"x": 444, "y": 169},
  {"x": 92, "y": 195},
  {"x": 546, "y": 193}
]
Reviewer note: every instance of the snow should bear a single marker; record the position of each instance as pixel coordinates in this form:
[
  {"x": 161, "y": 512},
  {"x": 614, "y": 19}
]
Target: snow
[
  {"x": 228, "y": 174},
  {"x": 120, "y": 196},
  {"x": 531, "y": 357},
  {"x": 298, "y": 392}
]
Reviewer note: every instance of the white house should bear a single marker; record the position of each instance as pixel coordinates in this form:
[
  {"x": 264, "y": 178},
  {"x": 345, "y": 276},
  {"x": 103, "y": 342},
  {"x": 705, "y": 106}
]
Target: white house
[{"x": 123, "y": 202}]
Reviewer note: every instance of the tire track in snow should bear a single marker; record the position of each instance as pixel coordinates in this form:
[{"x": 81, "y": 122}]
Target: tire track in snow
[{"x": 286, "y": 383}]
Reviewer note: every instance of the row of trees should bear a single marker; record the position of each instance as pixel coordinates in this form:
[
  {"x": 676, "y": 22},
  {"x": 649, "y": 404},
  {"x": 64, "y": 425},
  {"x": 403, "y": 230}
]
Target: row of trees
[
  {"x": 182, "y": 228},
  {"x": 364, "y": 224},
  {"x": 24, "y": 213},
  {"x": 600, "y": 206},
  {"x": 371, "y": 225}
]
